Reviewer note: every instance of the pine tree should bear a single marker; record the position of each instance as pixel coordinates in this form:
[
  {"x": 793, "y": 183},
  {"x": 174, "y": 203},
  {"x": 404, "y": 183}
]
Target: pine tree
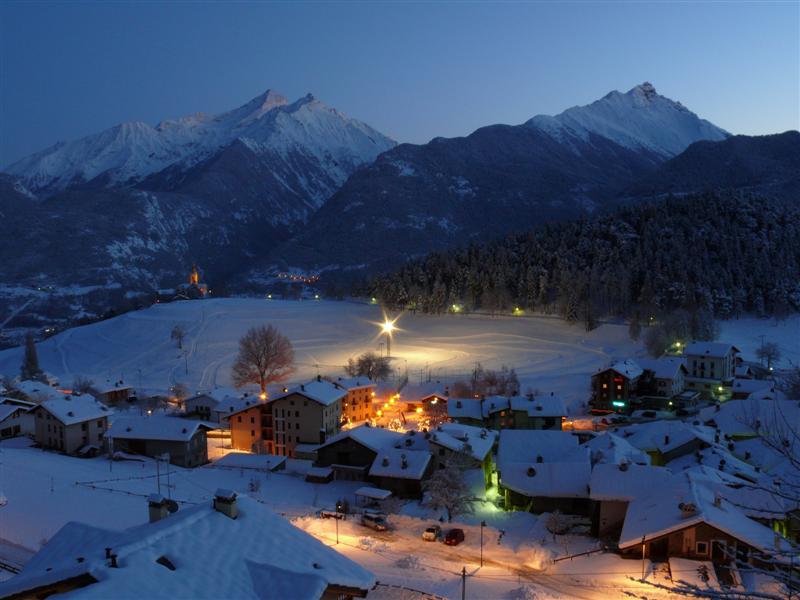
[{"x": 30, "y": 362}]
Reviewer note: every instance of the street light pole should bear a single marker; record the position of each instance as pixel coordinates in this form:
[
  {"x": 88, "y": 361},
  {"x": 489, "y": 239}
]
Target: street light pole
[{"x": 483, "y": 524}]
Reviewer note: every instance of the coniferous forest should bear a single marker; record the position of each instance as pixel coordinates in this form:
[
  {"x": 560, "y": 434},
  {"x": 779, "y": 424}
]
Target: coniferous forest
[{"x": 719, "y": 255}]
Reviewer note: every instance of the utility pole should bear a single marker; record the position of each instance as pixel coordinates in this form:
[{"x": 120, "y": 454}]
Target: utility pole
[
  {"x": 463, "y": 583},
  {"x": 643, "y": 547},
  {"x": 483, "y": 524},
  {"x": 158, "y": 476}
]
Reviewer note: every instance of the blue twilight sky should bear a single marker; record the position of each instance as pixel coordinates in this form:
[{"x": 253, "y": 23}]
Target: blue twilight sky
[{"x": 412, "y": 70}]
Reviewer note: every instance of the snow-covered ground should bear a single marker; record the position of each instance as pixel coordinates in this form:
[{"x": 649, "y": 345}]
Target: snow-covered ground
[{"x": 45, "y": 490}]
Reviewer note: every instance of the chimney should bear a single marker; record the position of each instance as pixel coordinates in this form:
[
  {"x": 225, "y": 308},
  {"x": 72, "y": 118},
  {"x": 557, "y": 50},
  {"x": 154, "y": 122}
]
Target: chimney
[
  {"x": 225, "y": 502},
  {"x": 157, "y": 507},
  {"x": 717, "y": 500},
  {"x": 666, "y": 440},
  {"x": 302, "y": 387},
  {"x": 319, "y": 377},
  {"x": 108, "y": 552},
  {"x": 688, "y": 509}
]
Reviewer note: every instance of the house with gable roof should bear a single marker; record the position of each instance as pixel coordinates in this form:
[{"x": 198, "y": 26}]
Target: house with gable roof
[
  {"x": 184, "y": 440},
  {"x": 71, "y": 423},
  {"x": 474, "y": 443},
  {"x": 711, "y": 366},
  {"x": 613, "y": 387}
]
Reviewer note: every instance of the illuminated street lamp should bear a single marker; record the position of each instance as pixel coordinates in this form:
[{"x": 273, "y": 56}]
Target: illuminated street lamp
[{"x": 387, "y": 328}]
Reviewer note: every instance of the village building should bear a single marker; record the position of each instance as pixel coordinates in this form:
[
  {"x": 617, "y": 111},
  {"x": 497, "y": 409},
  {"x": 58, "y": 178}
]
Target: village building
[
  {"x": 431, "y": 396},
  {"x": 613, "y": 486},
  {"x": 184, "y": 440},
  {"x": 665, "y": 441},
  {"x": 691, "y": 520},
  {"x": 309, "y": 413},
  {"x": 710, "y": 367},
  {"x": 388, "y": 459},
  {"x": 357, "y": 405},
  {"x": 741, "y": 389},
  {"x": 516, "y": 412},
  {"x": 111, "y": 393},
  {"x": 613, "y": 387},
  {"x": 543, "y": 471},
  {"x": 211, "y": 405},
  {"x": 611, "y": 448},
  {"x": 72, "y": 424},
  {"x": 16, "y": 418},
  {"x": 472, "y": 444},
  {"x": 663, "y": 377},
  {"x": 182, "y": 555},
  {"x": 250, "y": 422}
]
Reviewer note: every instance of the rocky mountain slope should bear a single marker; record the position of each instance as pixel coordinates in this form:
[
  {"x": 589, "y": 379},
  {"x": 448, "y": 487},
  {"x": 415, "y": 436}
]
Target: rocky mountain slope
[{"x": 418, "y": 198}]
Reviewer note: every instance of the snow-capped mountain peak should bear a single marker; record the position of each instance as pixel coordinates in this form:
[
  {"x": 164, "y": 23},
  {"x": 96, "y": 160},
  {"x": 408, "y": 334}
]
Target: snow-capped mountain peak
[
  {"x": 639, "y": 119},
  {"x": 129, "y": 152}
]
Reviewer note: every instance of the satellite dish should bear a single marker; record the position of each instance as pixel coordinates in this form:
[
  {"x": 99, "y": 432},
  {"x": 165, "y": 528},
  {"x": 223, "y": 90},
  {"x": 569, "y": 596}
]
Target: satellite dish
[{"x": 172, "y": 506}]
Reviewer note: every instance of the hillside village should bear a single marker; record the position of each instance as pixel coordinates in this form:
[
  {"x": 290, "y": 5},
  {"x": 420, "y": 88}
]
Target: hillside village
[{"x": 682, "y": 467}]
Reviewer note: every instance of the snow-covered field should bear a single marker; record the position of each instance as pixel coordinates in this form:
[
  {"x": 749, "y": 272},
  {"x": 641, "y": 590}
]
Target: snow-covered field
[{"x": 548, "y": 354}]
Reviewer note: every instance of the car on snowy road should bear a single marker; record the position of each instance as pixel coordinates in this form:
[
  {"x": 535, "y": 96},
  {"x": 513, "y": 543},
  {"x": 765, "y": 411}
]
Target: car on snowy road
[
  {"x": 376, "y": 521},
  {"x": 454, "y": 537},
  {"x": 432, "y": 533}
]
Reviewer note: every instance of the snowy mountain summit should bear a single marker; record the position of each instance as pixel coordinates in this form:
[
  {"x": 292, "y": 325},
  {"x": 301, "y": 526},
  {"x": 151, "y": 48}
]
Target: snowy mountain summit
[
  {"x": 125, "y": 154},
  {"x": 640, "y": 119}
]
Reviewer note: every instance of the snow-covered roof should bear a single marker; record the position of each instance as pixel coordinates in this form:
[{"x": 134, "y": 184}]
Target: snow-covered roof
[
  {"x": 627, "y": 368},
  {"x": 476, "y": 441},
  {"x": 374, "y": 438},
  {"x": 666, "y": 367},
  {"x": 464, "y": 408},
  {"x": 245, "y": 460},
  {"x": 37, "y": 390},
  {"x": 373, "y": 493},
  {"x": 426, "y": 389},
  {"x": 716, "y": 456},
  {"x": 710, "y": 349},
  {"x": 400, "y": 464},
  {"x": 748, "y": 386},
  {"x": 539, "y": 406},
  {"x": 353, "y": 383},
  {"x": 628, "y": 481},
  {"x": 610, "y": 448},
  {"x": 665, "y": 511},
  {"x": 171, "y": 429},
  {"x": 71, "y": 409},
  {"x": 525, "y": 445},
  {"x": 230, "y": 406},
  {"x": 319, "y": 390},
  {"x": 739, "y": 417},
  {"x": 756, "y": 500},
  {"x": 551, "y": 480},
  {"x": 664, "y": 435},
  {"x": 293, "y": 563},
  {"x": 743, "y": 371},
  {"x": 6, "y": 410}
]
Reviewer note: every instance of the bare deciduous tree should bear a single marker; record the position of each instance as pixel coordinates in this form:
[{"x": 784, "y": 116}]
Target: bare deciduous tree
[
  {"x": 769, "y": 352},
  {"x": 83, "y": 385},
  {"x": 178, "y": 335},
  {"x": 265, "y": 356},
  {"x": 369, "y": 365}
]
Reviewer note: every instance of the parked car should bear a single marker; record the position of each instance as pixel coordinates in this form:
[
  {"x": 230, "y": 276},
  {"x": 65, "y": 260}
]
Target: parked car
[
  {"x": 376, "y": 521},
  {"x": 331, "y": 514},
  {"x": 432, "y": 533},
  {"x": 454, "y": 537}
]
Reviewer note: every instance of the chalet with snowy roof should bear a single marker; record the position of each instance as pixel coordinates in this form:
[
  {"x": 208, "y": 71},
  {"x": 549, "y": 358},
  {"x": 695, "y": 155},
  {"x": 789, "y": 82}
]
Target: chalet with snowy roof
[
  {"x": 468, "y": 411},
  {"x": 16, "y": 418},
  {"x": 516, "y": 412},
  {"x": 354, "y": 455},
  {"x": 613, "y": 387},
  {"x": 475, "y": 444},
  {"x": 611, "y": 448},
  {"x": 431, "y": 396},
  {"x": 35, "y": 391},
  {"x": 753, "y": 416},
  {"x": 710, "y": 366},
  {"x": 542, "y": 471},
  {"x": 184, "y": 440},
  {"x": 357, "y": 405},
  {"x": 309, "y": 413},
  {"x": 688, "y": 519},
  {"x": 73, "y": 424},
  {"x": 229, "y": 547}
]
